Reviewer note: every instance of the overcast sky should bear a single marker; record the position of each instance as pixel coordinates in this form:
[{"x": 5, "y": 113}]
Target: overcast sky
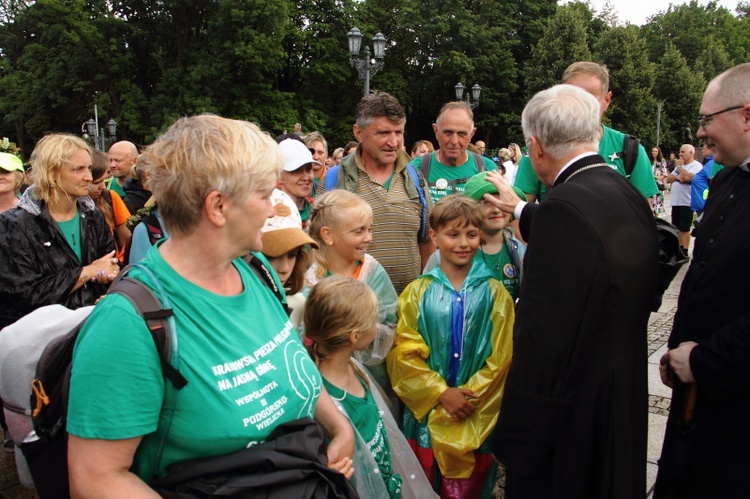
[{"x": 636, "y": 11}]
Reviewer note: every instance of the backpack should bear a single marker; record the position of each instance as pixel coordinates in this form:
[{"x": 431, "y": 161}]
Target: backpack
[
  {"x": 153, "y": 228},
  {"x": 46, "y": 449},
  {"x": 334, "y": 179},
  {"x": 629, "y": 153},
  {"x": 424, "y": 167}
]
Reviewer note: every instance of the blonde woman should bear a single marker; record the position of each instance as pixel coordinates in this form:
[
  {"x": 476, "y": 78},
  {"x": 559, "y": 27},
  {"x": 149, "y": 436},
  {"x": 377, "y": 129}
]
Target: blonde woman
[{"x": 55, "y": 246}]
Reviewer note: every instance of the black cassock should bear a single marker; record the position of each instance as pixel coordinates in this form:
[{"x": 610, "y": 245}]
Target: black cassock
[
  {"x": 574, "y": 417},
  {"x": 714, "y": 311}
]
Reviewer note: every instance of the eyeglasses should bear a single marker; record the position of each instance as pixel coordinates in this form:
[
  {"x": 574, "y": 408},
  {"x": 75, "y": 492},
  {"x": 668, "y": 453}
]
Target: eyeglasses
[{"x": 705, "y": 119}]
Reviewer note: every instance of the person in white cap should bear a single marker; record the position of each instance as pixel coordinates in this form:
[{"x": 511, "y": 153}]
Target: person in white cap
[
  {"x": 297, "y": 176},
  {"x": 11, "y": 177}
]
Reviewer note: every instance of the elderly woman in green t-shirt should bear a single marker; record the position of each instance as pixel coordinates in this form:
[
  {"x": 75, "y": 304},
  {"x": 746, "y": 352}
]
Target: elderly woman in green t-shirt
[{"x": 246, "y": 370}]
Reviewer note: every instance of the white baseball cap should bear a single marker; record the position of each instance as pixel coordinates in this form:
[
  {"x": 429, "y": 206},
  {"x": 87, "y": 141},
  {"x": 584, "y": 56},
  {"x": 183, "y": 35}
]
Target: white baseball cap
[{"x": 296, "y": 154}]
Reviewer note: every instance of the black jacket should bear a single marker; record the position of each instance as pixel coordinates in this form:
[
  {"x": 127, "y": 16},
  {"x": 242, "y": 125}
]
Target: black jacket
[
  {"x": 38, "y": 267},
  {"x": 135, "y": 195},
  {"x": 573, "y": 421},
  {"x": 714, "y": 311}
]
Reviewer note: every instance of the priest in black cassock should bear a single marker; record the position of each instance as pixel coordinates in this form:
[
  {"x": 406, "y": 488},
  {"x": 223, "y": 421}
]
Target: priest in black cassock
[
  {"x": 709, "y": 348},
  {"x": 574, "y": 418}
]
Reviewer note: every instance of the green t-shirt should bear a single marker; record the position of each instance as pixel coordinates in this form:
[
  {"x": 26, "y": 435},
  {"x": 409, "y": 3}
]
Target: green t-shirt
[
  {"x": 442, "y": 177},
  {"x": 114, "y": 186},
  {"x": 610, "y": 148},
  {"x": 365, "y": 417},
  {"x": 247, "y": 371},
  {"x": 72, "y": 232},
  {"x": 502, "y": 268}
]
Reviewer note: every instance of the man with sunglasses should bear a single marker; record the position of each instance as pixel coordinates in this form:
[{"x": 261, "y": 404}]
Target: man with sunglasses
[{"x": 708, "y": 361}]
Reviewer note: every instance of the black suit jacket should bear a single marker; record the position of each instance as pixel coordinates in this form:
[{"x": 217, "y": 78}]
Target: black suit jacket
[
  {"x": 714, "y": 311},
  {"x": 573, "y": 421}
]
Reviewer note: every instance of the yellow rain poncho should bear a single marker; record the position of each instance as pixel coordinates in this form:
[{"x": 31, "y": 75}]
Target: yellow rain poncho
[{"x": 447, "y": 338}]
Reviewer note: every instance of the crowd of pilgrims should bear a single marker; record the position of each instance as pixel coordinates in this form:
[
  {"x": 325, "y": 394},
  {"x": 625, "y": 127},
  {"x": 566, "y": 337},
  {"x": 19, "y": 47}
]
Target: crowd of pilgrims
[{"x": 421, "y": 410}]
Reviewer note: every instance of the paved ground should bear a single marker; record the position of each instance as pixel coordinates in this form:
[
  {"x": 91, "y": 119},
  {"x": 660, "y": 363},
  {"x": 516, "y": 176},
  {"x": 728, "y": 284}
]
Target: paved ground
[{"x": 660, "y": 324}]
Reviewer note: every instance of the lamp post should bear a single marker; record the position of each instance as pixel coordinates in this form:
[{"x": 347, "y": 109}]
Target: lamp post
[
  {"x": 366, "y": 66},
  {"x": 90, "y": 130},
  {"x": 473, "y": 100}
]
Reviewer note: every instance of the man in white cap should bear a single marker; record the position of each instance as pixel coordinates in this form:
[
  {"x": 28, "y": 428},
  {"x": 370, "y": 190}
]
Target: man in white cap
[{"x": 297, "y": 177}]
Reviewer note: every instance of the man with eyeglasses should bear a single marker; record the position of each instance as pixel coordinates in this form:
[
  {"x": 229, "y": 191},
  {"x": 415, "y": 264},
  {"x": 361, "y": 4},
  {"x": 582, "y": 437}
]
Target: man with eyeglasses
[
  {"x": 705, "y": 452},
  {"x": 680, "y": 178}
]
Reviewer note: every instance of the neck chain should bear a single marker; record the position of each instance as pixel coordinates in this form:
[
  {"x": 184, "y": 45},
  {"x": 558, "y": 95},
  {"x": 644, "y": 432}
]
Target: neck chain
[{"x": 584, "y": 169}]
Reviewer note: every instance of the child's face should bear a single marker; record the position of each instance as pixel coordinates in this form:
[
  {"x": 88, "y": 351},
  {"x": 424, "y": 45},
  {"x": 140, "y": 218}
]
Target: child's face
[
  {"x": 350, "y": 241},
  {"x": 457, "y": 244},
  {"x": 284, "y": 264},
  {"x": 494, "y": 219}
]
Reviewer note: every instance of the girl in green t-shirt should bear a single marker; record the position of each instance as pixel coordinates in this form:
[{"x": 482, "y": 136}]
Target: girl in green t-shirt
[{"x": 340, "y": 318}]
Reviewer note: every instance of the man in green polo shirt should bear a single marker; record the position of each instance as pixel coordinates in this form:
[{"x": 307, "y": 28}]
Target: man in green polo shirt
[
  {"x": 594, "y": 78},
  {"x": 451, "y": 166}
]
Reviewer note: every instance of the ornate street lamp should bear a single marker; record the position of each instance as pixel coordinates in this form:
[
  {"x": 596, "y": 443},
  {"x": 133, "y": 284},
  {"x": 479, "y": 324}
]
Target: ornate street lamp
[
  {"x": 366, "y": 66},
  {"x": 473, "y": 100},
  {"x": 91, "y": 131}
]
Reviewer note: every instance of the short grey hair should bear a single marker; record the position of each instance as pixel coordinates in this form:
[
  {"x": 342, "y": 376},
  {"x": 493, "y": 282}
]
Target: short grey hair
[
  {"x": 562, "y": 118},
  {"x": 377, "y": 105}
]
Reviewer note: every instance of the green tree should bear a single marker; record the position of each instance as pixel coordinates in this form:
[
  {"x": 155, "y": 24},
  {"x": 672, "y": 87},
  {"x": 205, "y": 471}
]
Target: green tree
[
  {"x": 564, "y": 41},
  {"x": 681, "y": 91},
  {"x": 689, "y": 26},
  {"x": 713, "y": 60},
  {"x": 633, "y": 107}
]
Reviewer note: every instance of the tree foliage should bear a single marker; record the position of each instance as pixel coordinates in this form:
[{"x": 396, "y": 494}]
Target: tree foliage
[{"x": 146, "y": 63}]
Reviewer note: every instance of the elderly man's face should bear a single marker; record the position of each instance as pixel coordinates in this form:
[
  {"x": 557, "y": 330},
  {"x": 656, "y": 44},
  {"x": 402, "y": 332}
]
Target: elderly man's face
[
  {"x": 481, "y": 147},
  {"x": 454, "y": 130},
  {"x": 725, "y": 133},
  {"x": 686, "y": 154}
]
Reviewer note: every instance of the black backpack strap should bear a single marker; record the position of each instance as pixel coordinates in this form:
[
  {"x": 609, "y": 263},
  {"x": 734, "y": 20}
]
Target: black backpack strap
[
  {"x": 479, "y": 161},
  {"x": 260, "y": 270},
  {"x": 424, "y": 167},
  {"x": 149, "y": 307},
  {"x": 630, "y": 153}
]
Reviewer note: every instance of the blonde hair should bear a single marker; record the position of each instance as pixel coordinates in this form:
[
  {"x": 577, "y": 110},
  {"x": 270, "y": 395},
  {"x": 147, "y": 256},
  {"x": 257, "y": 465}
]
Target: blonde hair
[
  {"x": 331, "y": 210},
  {"x": 205, "y": 153},
  {"x": 336, "y": 307},
  {"x": 588, "y": 68},
  {"x": 515, "y": 152},
  {"x": 456, "y": 207},
  {"x": 47, "y": 160}
]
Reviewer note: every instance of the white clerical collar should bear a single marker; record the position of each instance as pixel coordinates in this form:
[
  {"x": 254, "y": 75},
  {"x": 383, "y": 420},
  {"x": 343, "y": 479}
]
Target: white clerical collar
[
  {"x": 580, "y": 156},
  {"x": 745, "y": 165}
]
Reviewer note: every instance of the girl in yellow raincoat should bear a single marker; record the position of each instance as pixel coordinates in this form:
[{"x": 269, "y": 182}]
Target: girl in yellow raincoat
[{"x": 451, "y": 357}]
